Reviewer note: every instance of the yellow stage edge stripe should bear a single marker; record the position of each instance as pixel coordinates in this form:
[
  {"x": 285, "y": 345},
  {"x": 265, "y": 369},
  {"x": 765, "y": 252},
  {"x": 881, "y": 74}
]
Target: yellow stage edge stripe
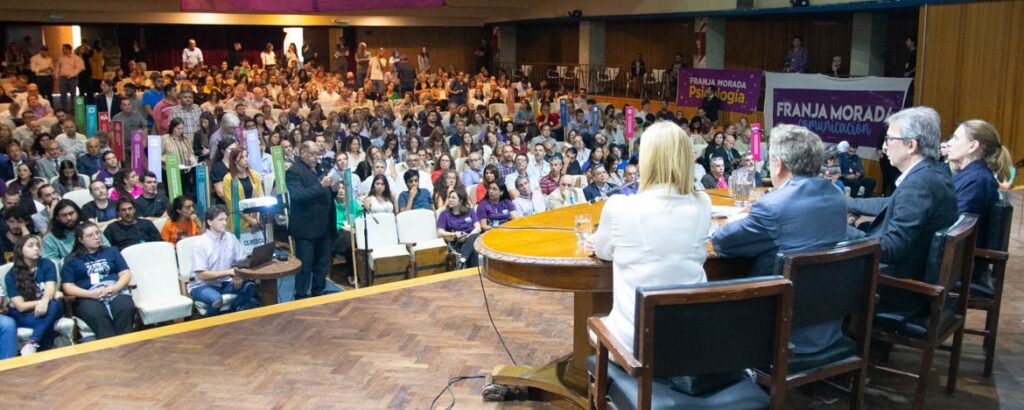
[{"x": 188, "y": 326}]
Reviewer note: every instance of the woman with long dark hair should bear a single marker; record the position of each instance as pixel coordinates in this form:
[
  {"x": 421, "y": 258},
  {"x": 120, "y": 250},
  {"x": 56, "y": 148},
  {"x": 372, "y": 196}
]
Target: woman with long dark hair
[
  {"x": 126, "y": 185},
  {"x": 459, "y": 226},
  {"x": 242, "y": 181},
  {"x": 380, "y": 199},
  {"x": 67, "y": 179},
  {"x": 497, "y": 208},
  {"x": 32, "y": 288},
  {"x": 182, "y": 222},
  {"x": 97, "y": 276},
  {"x": 201, "y": 139}
]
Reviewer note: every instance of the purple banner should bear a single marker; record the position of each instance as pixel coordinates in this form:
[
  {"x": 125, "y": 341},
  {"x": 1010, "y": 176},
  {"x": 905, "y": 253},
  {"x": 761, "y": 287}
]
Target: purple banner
[
  {"x": 138, "y": 163},
  {"x": 739, "y": 90},
  {"x": 837, "y": 115},
  {"x": 303, "y": 6}
]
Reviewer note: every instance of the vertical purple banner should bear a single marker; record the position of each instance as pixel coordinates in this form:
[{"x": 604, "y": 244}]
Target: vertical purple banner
[
  {"x": 739, "y": 90},
  {"x": 138, "y": 164},
  {"x": 837, "y": 115}
]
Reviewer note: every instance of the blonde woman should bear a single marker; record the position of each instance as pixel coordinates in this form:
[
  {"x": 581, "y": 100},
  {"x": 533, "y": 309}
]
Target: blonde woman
[
  {"x": 976, "y": 153},
  {"x": 247, "y": 181},
  {"x": 658, "y": 236}
]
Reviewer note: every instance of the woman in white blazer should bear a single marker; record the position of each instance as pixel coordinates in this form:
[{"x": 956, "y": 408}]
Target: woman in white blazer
[{"x": 659, "y": 236}]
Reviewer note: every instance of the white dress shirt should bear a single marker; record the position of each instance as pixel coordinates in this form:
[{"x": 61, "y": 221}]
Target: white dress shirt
[{"x": 657, "y": 237}]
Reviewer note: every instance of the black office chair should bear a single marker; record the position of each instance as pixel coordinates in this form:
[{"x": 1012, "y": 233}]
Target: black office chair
[
  {"x": 950, "y": 261},
  {"x": 692, "y": 345},
  {"x": 830, "y": 285}
]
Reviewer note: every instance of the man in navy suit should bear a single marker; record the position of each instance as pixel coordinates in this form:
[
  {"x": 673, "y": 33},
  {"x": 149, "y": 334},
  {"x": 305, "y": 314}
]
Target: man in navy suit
[
  {"x": 923, "y": 203},
  {"x": 311, "y": 221},
  {"x": 803, "y": 212},
  {"x": 600, "y": 186}
]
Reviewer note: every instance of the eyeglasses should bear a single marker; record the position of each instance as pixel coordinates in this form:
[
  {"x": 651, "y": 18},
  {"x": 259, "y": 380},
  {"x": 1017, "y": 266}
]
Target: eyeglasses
[{"x": 890, "y": 138}]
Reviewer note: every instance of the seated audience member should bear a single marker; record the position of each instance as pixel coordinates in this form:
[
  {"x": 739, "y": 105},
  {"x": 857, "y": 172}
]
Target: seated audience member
[
  {"x": 212, "y": 275},
  {"x": 565, "y": 195},
  {"x": 47, "y": 196},
  {"x": 47, "y": 166},
  {"x": 380, "y": 199},
  {"x": 414, "y": 197},
  {"x": 126, "y": 185},
  {"x": 522, "y": 163},
  {"x": 68, "y": 179},
  {"x": 182, "y": 221},
  {"x": 474, "y": 169},
  {"x": 24, "y": 176},
  {"x": 923, "y": 203},
  {"x": 8, "y": 332},
  {"x": 152, "y": 204},
  {"x": 458, "y": 225},
  {"x": 657, "y": 237},
  {"x": 778, "y": 222},
  {"x": 529, "y": 201},
  {"x": 497, "y": 208},
  {"x": 97, "y": 277},
  {"x": 337, "y": 173},
  {"x": 343, "y": 241},
  {"x": 445, "y": 184},
  {"x": 90, "y": 162},
  {"x": 101, "y": 209},
  {"x": 66, "y": 216},
  {"x": 599, "y": 186},
  {"x": 127, "y": 230},
  {"x": 975, "y": 151},
  {"x": 549, "y": 183},
  {"x": 17, "y": 221},
  {"x": 110, "y": 167},
  {"x": 630, "y": 183},
  {"x": 32, "y": 289},
  {"x": 853, "y": 171},
  {"x": 491, "y": 174},
  {"x": 717, "y": 178},
  {"x": 748, "y": 163},
  {"x": 244, "y": 182},
  {"x": 380, "y": 167}
]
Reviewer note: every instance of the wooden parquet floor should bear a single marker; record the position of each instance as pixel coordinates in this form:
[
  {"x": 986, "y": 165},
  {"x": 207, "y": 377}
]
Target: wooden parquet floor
[{"x": 397, "y": 349}]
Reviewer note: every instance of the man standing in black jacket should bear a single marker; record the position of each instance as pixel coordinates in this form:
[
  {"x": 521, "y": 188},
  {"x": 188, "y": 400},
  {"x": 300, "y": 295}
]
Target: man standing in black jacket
[
  {"x": 311, "y": 222},
  {"x": 406, "y": 75}
]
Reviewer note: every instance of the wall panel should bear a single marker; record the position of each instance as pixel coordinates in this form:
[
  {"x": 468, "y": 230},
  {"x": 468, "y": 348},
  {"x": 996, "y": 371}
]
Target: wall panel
[
  {"x": 548, "y": 43},
  {"x": 658, "y": 40},
  {"x": 762, "y": 43}
]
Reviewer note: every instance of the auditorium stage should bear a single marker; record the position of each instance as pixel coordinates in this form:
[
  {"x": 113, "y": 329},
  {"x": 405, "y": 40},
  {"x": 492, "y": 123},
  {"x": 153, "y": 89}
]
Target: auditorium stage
[{"x": 395, "y": 346}]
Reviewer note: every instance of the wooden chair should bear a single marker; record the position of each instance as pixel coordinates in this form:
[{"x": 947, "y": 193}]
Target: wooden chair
[
  {"x": 830, "y": 285},
  {"x": 670, "y": 355},
  {"x": 950, "y": 261},
  {"x": 990, "y": 260}
]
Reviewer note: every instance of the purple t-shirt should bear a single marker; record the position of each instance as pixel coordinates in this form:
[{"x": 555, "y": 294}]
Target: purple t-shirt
[
  {"x": 460, "y": 223},
  {"x": 500, "y": 212}
]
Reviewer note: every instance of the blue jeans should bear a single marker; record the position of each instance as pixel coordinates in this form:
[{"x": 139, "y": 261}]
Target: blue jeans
[
  {"x": 211, "y": 296},
  {"x": 8, "y": 337},
  {"x": 42, "y": 326},
  {"x": 315, "y": 255}
]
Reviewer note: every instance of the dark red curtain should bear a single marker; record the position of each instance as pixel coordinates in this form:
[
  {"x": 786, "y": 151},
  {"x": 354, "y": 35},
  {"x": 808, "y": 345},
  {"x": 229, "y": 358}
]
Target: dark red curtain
[{"x": 163, "y": 43}]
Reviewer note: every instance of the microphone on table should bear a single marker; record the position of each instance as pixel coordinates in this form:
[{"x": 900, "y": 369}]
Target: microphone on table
[{"x": 612, "y": 191}]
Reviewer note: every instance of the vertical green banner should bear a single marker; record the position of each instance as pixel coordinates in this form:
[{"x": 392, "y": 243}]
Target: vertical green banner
[
  {"x": 80, "y": 112},
  {"x": 277, "y": 155},
  {"x": 173, "y": 176}
]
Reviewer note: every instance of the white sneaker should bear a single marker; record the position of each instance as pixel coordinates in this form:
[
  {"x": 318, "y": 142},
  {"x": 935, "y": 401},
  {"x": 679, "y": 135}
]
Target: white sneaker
[{"x": 29, "y": 348}]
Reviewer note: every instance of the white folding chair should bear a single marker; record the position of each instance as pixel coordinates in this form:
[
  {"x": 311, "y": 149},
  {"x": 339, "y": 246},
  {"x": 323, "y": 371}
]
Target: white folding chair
[
  {"x": 64, "y": 326},
  {"x": 417, "y": 229},
  {"x": 184, "y": 251},
  {"x": 79, "y": 197},
  {"x": 157, "y": 294},
  {"x": 471, "y": 193},
  {"x": 497, "y": 108},
  {"x": 387, "y": 257},
  {"x": 460, "y": 164}
]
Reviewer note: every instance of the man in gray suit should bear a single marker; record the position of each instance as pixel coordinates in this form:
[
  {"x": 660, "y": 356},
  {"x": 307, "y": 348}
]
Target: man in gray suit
[
  {"x": 923, "y": 203},
  {"x": 803, "y": 212}
]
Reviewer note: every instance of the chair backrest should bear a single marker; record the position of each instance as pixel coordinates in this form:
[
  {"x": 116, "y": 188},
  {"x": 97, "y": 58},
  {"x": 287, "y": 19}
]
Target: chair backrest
[
  {"x": 4, "y": 269},
  {"x": 460, "y": 163},
  {"x": 79, "y": 197},
  {"x": 268, "y": 183},
  {"x": 997, "y": 234},
  {"x": 184, "y": 249},
  {"x": 951, "y": 254},
  {"x": 831, "y": 283},
  {"x": 381, "y": 231},
  {"x": 400, "y": 168},
  {"x": 416, "y": 225},
  {"x": 743, "y": 323},
  {"x": 154, "y": 269}
]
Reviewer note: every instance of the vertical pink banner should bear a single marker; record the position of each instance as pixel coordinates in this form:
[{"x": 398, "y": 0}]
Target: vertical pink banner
[
  {"x": 116, "y": 140},
  {"x": 630, "y": 122},
  {"x": 138, "y": 162},
  {"x": 755, "y": 141}
]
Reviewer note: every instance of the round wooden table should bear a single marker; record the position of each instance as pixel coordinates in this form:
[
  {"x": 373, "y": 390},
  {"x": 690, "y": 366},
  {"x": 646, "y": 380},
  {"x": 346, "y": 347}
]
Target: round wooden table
[
  {"x": 540, "y": 252},
  {"x": 267, "y": 275}
]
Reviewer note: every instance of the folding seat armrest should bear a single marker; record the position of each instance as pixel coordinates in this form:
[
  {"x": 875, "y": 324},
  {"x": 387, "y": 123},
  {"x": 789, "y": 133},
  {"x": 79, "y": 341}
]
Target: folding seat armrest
[{"x": 991, "y": 255}]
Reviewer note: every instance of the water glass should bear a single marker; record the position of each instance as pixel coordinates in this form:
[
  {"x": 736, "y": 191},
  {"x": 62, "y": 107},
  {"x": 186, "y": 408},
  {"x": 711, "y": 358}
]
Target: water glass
[
  {"x": 741, "y": 182},
  {"x": 584, "y": 228}
]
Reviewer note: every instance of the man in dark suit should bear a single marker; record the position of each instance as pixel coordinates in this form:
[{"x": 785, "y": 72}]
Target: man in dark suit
[
  {"x": 924, "y": 202},
  {"x": 311, "y": 221},
  {"x": 108, "y": 100},
  {"x": 406, "y": 75},
  {"x": 778, "y": 222},
  {"x": 600, "y": 186}
]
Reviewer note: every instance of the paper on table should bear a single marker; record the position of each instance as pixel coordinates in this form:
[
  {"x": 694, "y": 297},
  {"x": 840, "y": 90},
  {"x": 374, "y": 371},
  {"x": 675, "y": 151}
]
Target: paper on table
[{"x": 723, "y": 211}]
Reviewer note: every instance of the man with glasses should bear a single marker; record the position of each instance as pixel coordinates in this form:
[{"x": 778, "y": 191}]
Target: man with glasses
[
  {"x": 474, "y": 171},
  {"x": 923, "y": 203},
  {"x": 129, "y": 230},
  {"x": 312, "y": 221},
  {"x": 565, "y": 195},
  {"x": 630, "y": 182}
]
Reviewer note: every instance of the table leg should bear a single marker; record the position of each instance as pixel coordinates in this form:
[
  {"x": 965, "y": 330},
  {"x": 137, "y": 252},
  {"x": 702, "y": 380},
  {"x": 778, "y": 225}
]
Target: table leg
[
  {"x": 268, "y": 292},
  {"x": 563, "y": 381}
]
